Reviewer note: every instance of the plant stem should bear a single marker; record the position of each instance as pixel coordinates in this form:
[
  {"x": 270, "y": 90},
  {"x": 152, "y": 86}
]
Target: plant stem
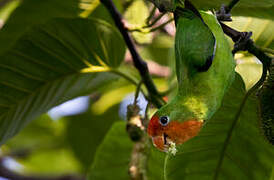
[
  {"x": 139, "y": 63},
  {"x": 151, "y": 14},
  {"x": 165, "y": 166},
  {"x": 137, "y": 92},
  {"x": 155, "y": 21},
  {"x": 162, "y": 25}
]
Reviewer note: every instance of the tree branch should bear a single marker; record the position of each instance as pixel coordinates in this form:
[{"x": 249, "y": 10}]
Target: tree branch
[
  {"x": 139, "y": 63},
  {"x": 247, "y": 45}
]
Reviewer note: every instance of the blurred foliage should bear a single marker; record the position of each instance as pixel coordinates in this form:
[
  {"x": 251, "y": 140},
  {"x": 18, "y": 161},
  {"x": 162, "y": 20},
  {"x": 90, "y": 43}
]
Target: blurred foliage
[
  {"x": 47, "y": 53},
  {"x": 41, "y": 148},
  {"x": 113, "y": 155},
  {"x": 84, "y": 133},
  {"x": 160, "y": 50},
  {"x": 138, "y": 7}
]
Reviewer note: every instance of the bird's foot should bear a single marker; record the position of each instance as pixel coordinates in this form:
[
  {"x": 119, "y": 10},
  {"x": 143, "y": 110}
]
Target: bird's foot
[{"x": 222, "y": 14}]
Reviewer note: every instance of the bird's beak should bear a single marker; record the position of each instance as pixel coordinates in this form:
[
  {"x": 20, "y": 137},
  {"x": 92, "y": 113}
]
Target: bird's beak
[{"x": 162, "y": 142}]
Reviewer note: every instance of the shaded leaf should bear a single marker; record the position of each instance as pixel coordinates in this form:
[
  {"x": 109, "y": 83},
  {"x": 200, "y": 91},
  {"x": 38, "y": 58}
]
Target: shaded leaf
[
  {"x": 113, "y": 155},
  {"x": 155, "y": 164},
  {"x": 224, "y": 151},
  {"x": 33, "y": 12},
  {"x": 51, "y": 161},
  {"x": 43, "y": 133},
  {"x": 45, "y": 68}
]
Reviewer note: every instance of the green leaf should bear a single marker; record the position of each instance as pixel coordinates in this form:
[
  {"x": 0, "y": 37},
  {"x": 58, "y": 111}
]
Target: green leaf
[
  {"x": 254, "y": 8},
  {"x": 33, "y": 12},
  {"x": 113, "y": 155},
  {"x": 51, "y": 162},
  {"x": 43, "y": 129},
  {"x": 227, "y": 147},
  {"x": 262, "y": 36},
  {"x": 86, "y": 131},
  {"x": 48, "y": 66},
  {"x": 155, "y": 164}
]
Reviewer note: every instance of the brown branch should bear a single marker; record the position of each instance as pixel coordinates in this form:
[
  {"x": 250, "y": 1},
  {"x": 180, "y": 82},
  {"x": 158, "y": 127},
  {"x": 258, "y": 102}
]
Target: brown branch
[
  {"x": 7, "y": 173},
  {"x": 139, "y": 63}
]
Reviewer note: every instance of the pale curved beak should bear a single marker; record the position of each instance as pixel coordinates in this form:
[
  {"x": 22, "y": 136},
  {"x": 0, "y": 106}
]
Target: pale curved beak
[{"x": 161, "y": 142}]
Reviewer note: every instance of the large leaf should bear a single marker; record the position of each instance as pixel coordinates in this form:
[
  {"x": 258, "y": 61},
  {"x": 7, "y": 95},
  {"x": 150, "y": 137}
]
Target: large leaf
[
  {"x": 32, "y": 12},
  {"x": 262, "y": 36},
  {"x": 86, "y": 131},
  {"x": 227, "y": 147},
  {"x": 113, "y": 155},
  {"x": 46, "y": 67},
  {"x": 262, "y": 8},
  {"x": 155, "y": 164}
]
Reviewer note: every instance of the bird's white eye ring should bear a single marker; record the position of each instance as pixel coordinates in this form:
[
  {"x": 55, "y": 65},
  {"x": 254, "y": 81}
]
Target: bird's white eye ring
[{"x": 164, "y": 120}]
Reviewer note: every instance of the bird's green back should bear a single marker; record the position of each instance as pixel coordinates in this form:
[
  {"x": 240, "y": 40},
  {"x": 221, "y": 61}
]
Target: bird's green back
[{"x": 200, "y": 93}]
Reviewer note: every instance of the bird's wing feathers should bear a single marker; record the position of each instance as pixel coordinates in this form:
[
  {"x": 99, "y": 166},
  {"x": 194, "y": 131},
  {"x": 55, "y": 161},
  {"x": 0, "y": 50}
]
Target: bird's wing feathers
[{"x": 195, "y": 43}]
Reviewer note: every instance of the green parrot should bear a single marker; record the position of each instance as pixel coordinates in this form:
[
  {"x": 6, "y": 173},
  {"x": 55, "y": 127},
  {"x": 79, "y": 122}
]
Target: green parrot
[{"x": 204, "y": 69}]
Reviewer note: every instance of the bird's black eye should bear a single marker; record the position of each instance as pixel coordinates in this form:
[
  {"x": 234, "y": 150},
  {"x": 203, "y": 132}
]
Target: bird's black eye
[{"x": 164, "y": 120}]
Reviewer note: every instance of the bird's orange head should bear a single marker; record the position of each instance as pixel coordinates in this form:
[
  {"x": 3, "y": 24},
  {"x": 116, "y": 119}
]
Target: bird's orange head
[{"x": 163, "y": 131}]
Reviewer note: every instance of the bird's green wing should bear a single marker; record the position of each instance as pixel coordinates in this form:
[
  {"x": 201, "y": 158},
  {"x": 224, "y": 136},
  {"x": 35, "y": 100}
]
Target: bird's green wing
[{"x": 194, "y": 43}]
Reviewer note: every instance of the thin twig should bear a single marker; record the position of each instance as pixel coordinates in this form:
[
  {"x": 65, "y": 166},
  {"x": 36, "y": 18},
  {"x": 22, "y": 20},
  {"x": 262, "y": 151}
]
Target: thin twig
[
  {"x": 162, "y": 25},
  {"x": 154, "y": 21},
  {"x": 139, "y": 63},
  {"x": 137, "y": 92},
  {"x": 151, "y": 14},
  {"x": 152, "y": 29}
]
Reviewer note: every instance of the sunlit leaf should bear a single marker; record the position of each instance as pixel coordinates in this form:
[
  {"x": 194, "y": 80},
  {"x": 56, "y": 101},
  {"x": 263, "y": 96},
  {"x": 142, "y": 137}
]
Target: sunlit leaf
[{"x": 136, "y": 16}]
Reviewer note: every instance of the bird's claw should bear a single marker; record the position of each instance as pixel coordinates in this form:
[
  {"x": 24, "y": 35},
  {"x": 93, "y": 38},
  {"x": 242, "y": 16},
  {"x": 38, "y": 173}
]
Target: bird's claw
[{"x": 222, "y": 14}]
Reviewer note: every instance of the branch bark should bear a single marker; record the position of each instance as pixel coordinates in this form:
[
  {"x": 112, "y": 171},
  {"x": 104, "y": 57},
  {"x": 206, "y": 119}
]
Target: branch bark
[
  {"x": 139, "y": 63},
  {"x": 249, "y": 45}
]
